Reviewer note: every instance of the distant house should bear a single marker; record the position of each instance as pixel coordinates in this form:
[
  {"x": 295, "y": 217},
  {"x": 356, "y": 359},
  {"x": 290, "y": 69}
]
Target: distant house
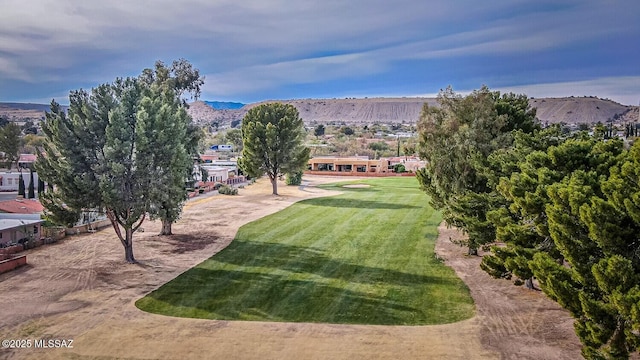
[
  {"x": 216, "y": 173},
  {"x": 21, "y": 206},
  {"x": 13, "y": 231},
  {"x": 361, "y": 165},
  {"x": 9, "y": 180},
  {"x": 25, "y": 161},
  {"x": 348, "y": 165},
  {"x": 411, "y": 163},
  {"x": 208, "y": 158}
]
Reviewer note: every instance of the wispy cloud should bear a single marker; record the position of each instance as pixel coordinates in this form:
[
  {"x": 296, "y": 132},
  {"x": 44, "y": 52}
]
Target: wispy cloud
[{"x": 261, "y": 46}]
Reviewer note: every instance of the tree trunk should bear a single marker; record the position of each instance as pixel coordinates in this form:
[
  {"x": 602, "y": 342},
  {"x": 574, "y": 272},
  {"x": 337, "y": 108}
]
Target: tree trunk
[
  {"x": 128, "y": 247},
  {"x": 166, "y": 228},
  {"x": 529, "y": 283},
  {"x": 274, "y": 185},
  {"x": 618, "y": 344}
]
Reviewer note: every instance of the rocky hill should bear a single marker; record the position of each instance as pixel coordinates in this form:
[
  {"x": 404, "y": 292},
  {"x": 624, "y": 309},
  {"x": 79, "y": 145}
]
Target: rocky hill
[
  {"x": 589, "y": 110},
  {"x": 571, "y": 110}
]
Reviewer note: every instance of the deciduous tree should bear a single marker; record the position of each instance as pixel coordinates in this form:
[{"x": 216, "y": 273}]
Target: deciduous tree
[
  {"x": 273, "y": 136},
  {"x": 10, "y": 142},
  {"x": 318, "y": 130}
]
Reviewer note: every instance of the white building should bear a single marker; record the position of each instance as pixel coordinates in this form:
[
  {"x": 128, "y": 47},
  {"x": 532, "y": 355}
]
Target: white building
[
  {"x": 216, "y": 173},
  {"x": 9, "y": 180}
]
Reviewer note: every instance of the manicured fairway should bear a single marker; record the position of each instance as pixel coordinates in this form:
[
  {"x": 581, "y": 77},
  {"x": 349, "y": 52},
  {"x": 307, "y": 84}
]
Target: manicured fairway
[{"x": 363, "y": 257}]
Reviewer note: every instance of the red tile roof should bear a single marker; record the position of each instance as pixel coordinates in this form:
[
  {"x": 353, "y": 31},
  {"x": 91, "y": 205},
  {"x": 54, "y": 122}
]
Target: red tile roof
[
  {"x": 27, "y": 158},
  {"x": 24, "y": 206}
]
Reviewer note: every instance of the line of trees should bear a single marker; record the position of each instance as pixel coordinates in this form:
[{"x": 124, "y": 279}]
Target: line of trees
[{"x": 560, "y": 208}]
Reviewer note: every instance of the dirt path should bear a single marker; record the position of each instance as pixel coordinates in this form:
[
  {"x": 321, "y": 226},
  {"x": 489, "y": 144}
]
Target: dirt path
[{"x": 80, "y": 289}]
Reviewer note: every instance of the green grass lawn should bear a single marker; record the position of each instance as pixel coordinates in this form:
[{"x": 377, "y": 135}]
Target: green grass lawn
[{"x": 363, "y": 257}]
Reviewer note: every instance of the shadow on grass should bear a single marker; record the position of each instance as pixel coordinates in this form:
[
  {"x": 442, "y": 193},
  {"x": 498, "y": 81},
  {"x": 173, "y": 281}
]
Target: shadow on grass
[
  {"x": 356, "y": 203},
  {"x": 243, "y": 295},
  {"x": 296, "y": 284},
  {"x": 312, "y": 261}
]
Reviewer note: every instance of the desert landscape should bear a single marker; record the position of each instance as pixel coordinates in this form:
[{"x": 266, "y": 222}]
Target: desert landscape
[
  {"x": 570, "y": 110},
  {"x": 81, "y": 289}
]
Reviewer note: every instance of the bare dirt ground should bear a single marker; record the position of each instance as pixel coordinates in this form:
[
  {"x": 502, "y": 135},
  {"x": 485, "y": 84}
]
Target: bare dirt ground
[{"x": 81, "y": 289}]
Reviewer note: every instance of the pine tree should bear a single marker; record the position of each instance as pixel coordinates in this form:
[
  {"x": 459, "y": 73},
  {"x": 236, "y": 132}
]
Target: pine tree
[
  {"x": 31, "y": 192},
  {"x": 40, "y": 187},
  {"x": 21, "y": 186},
  {"x": 176, "y": 146},
  {"x": 110, "y": 151},
  {"x": 456, "y": 139},
  {"x": 520, "y": 175},
  {"x": 591, "y": 221}
]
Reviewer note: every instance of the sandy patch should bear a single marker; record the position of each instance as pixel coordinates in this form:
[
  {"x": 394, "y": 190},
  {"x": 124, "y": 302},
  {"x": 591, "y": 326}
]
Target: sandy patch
[{"x": 81, "y": 289}]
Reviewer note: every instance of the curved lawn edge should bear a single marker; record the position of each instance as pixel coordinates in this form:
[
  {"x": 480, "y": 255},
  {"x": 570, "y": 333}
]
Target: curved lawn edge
[{"x": 365, "y": 256}]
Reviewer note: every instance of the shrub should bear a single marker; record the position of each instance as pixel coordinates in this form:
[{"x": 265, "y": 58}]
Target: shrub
[
  {"x": 399, "y": 168},
  {"x": 294, "y": 178},
  {"x": 227, "y": 190}
]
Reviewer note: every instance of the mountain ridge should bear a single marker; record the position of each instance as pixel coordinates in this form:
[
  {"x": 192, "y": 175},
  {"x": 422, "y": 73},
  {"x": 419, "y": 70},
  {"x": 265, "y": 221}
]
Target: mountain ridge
[{"x": 570, "y": 110}]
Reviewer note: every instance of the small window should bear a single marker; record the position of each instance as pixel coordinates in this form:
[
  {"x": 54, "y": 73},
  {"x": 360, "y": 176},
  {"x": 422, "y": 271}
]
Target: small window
[{"x": 35, "y": 229}]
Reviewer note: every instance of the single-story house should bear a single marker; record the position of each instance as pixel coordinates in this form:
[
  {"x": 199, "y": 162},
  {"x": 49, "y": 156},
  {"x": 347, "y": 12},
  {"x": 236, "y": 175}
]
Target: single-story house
[
  {"x": 15, "y": 230},
  {"x": 411, "y": 163},
  {"x": 208, "y": 158},
  {"x": 21, "y": 206},
  {"x": 355, "y": 165},
  {"x": 26, "y": 161},
  {"x": 216, "y": 173}
]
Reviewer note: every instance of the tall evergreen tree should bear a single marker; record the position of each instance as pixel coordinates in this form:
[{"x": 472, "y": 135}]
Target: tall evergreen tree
[
  {"x": 31, "y": 190},
  {"x": 273, "y": 136},
  {"x": 591, "y": 220},
  {"x": 456, "y": 139},
  {"x": 522, "y": 224},
  {"x": 21, "y": 189},
  {"x": 40, "y": 187},
  {"x": 177, "y": 145}
]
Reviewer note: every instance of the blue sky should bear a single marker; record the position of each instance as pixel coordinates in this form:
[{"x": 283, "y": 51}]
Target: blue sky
[{"x": 275, "y": 49}]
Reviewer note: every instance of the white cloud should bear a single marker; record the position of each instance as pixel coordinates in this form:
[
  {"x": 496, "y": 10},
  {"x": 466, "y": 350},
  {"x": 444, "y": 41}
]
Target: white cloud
[
  {"x": 249, "y": 45},
  {"x": 303, "y": 71},
  {"x": 11, "y": 70}
]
